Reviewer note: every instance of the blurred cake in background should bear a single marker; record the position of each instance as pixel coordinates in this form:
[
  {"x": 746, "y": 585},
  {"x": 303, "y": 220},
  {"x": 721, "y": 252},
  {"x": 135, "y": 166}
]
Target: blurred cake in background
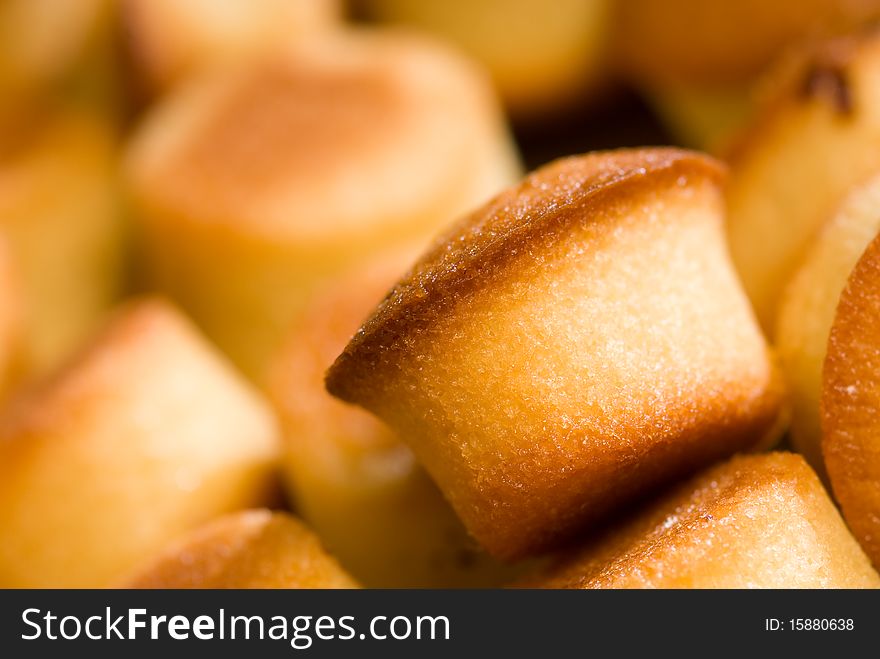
[
  {"x": 170, "y": 40},
  {"x": 253, "y": 185},
  {"x": 698, "y": 59},
  {"x": 45, "y": 43},
  {"x": 809, "y": 143},
  {"x": 60, "y": 212},
  {"x": 146, "y": 434},
  {"x": 250, "y": 549},
  {"x": 541, "y": 55}
]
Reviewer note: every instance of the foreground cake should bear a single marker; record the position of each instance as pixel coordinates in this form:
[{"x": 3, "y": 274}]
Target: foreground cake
[
  {"x": 351, "y": 479},
  {"x": 815, "y": 138},
  {"x": 146, "y": 434},
  {"x": 808, "y": 305},
  {"x": 169, "y": 40},
  {"x": 851, "y": 402},
  {"x": 577, "y": 341},
  {"x": 762, "y": 521},
  {"x": 253, "y": 186},
  {"x": 250, "y": 549}
]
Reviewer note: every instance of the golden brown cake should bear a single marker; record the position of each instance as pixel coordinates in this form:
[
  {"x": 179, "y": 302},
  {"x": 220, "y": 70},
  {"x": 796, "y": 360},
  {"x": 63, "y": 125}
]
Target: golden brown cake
[
  {"x": 169, "y": 40},
  {"x": 576, "y": 341},
  {"x": 851, "y": 402},
  {"x": 250, "y": 549},
  {"x": 807, "y": 309},
  {"x": 255, "y": 185},
  {"x": 815, "y": 139},
  {"x": 59, "y": 211},
  {"x": 539, "y": 56},
  {"x": 145, "y": 435},
  {"x": 351, "y": 479},
  {"x": 761, "y": 521}
]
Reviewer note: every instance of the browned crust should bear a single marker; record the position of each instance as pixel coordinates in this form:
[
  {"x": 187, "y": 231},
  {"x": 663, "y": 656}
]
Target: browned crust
[
  {"x": 548, "y": 201},
  {"x": 849, "y": 404},
  {"x": 713, "y": 494}
]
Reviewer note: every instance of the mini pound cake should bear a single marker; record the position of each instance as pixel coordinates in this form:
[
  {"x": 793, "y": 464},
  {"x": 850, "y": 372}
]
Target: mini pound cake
[
  {"x": 808, "y": 305},
  {"x": 145, "y": 435},
  {"x": 250, "y": 549},
  {"x": 816, "y": 136},
  {"x": 253, "y": 186},
  {"x": 169, "y": 40},
  {"x": 851, "y": 402},
  {"x": 760, "y": 521},
  {"x": 351, "y": 479},
  {"x": 573, "y": 343}
]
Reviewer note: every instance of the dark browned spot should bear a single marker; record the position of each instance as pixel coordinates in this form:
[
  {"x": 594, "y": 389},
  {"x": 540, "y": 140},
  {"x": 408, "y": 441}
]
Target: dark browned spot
[
  {"x": 828, "y": 78},
  {"x": 830, "y": 84}
]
